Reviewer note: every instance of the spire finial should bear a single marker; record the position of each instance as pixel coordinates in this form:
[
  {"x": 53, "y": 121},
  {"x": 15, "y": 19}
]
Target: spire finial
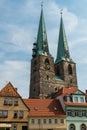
[
  {"x": 61, "y": 12},
  {"x": 42, "y": 4}
]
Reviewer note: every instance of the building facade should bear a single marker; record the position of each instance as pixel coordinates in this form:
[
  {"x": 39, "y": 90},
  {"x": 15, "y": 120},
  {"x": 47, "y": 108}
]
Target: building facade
[
  {"x": 45, "y": 114},
  {"x": 13, "y": 111},
  {"x": 47, "y": 75},
  {"x": 74, "y": 104}
]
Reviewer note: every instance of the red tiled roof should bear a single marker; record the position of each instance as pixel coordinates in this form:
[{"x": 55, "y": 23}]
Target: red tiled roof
[
  {"x": 9, "y": 91},
  {"x": 66, "y": 90},
  {"x": 75, "y": 104},
  {"x": 44, "y": 107}
]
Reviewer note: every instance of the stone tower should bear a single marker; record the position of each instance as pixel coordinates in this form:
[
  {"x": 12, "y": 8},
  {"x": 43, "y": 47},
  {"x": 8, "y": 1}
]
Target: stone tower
[
  {"x": 46, "y": 76},
  {"x": 65, "y": 67},
  {"x": 42, "y": 64}
]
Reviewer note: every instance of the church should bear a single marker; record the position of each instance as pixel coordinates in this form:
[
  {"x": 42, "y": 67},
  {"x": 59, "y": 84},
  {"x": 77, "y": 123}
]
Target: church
[
  {"x": 48, "y": 76},
  {"x": 55, "y": 101}
]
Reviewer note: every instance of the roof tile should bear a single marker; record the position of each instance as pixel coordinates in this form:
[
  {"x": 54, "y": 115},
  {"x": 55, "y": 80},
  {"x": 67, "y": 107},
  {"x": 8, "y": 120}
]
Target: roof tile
[
  {"x": 9, "y": 91},
  {"x": 44, "y": 107}
]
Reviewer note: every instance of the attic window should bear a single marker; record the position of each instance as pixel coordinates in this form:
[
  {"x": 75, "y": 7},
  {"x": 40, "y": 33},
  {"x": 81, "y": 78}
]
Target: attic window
[
  {"x": 16, "y": 102},
  {"x": 8, "y": 101},
  {"x": 81, "y": 99},
  {"x": 55, "y": 108},
  {"x": 75, "y": 99},
  {"x": 36, "y": 108}
]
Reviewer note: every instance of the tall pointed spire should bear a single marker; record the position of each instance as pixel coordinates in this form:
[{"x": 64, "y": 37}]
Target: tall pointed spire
[
  {"x": 63, "y": 50},
  {"x": 41, "y": 46}
]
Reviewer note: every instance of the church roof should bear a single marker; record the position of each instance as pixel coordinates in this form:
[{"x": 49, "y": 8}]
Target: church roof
[
  {"x": 63, "y": 49},
  {"x": 41, "y": 45},
  {"x": 9, "y": 91},
  {"x": 44, "y": 107}
]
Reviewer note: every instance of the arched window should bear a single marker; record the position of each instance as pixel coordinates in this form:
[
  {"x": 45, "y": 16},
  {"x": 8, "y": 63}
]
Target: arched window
[
  {"x": 69, "y": 69},
  {"x": 83, "y": 127},
  {"x": 72, "y": 127},
  {"x": 47, "y": 64}
]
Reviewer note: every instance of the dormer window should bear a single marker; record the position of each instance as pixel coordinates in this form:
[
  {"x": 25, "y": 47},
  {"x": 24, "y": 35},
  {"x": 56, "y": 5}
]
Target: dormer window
[
  {"x": 75, "y": 99},
  {"x": 82, "y": 99}
]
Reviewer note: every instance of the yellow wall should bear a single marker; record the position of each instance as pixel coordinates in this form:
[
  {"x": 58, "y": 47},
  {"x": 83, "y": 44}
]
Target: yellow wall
[
  {"x": 47, "y": 125},
  {"x": 10, "y": 119}
]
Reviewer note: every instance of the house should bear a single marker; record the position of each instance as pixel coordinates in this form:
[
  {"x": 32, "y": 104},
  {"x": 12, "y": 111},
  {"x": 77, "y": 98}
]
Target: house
[
  {"x": 45, "y": 114},
  {"x": 73, "y": 102},
  {"x": 13, "y": 111}
]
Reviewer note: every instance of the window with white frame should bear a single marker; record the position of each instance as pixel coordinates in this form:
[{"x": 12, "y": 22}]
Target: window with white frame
[
  {"x": 72, "y": 127},
  {"x": 62, "y": 121},
  {"x": 32, "y": 121},
  {"x": 5, "y": 113},
  {"x": 56, "y": 121},
  {"x": 44, "y": 121},
  {"x": 50, "y": 121},
  {"x": 15, "y": 114},
  {"x": 1, "y": 113},
  {"x": 39, "y": 121},
  {"x": 75, "y": 99},
  {"x": 21, "y": 114},
  {"x": 83, "y": 127},
  {"x": 81, "y": 99},
  {"x": 15, "y": 101},
  {"x": 14, "y": 127}
]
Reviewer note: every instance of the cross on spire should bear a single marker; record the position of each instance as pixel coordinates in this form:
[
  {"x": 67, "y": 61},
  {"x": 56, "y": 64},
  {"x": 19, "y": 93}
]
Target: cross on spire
[{"x": 42, "y": 4}]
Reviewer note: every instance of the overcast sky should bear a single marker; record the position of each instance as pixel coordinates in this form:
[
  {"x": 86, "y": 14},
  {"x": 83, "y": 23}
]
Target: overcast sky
[{"x": 19, "y": 20}]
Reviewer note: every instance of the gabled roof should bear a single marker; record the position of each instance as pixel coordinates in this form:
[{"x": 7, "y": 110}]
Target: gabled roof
[
  {"x": 44, "y": 107},
  {"x": 66, "y": 90},
  {"x": 9, "y": 91}
]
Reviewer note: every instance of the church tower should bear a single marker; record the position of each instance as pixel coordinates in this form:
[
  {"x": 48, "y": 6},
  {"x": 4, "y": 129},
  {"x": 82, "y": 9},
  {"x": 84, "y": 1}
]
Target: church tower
[
  {"x": 47, "y": 77},
  {"x": 42, "y": 64},
  {"x": 65, "y": 67}
]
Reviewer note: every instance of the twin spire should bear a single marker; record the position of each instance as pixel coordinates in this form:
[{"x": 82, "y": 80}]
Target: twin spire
[
  {"x": 41, "y": 45},
  {"x": 63, "y": 49}
]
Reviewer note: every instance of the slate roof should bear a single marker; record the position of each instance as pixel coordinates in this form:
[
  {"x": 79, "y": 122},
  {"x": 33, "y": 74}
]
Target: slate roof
[
  {"x": 44, "y": 107},
  {"x": 9, "y": 91}
]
